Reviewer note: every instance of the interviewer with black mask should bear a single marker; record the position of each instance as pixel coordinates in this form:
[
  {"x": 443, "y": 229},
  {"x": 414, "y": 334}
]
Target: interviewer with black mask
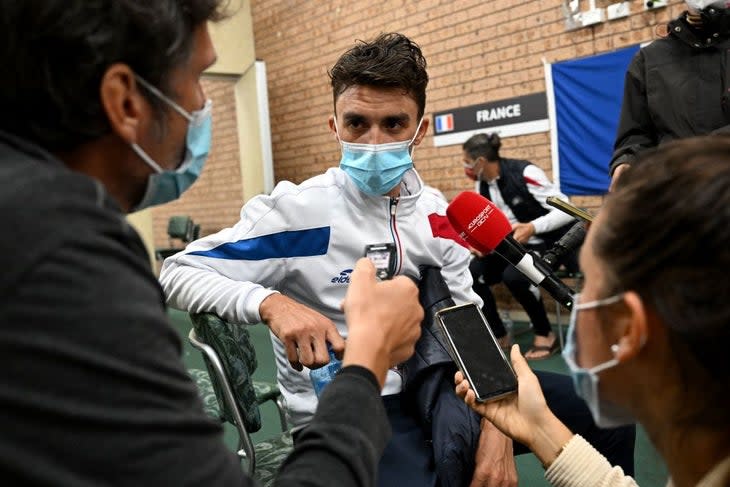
[{"x": 649, "y": 333}]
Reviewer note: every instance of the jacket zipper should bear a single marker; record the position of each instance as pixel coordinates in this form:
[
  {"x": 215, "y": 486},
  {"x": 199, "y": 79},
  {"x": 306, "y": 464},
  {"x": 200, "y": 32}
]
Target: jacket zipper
[
  {"x": 398, "y": 368},
  {"x": 395, "y": 235}
]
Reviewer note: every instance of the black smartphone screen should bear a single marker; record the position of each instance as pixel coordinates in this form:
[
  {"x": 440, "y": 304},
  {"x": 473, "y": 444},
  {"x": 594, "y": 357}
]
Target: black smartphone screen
[{"x": 477, "y": 352}]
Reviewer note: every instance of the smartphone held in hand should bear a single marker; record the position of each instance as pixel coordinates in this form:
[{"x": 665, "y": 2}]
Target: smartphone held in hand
[{"x": 476, "y": 351}]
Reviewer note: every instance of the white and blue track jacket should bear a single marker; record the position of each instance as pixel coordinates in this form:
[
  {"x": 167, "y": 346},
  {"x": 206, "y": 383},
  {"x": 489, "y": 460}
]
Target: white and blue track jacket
[{"x": 303, "y": 241}]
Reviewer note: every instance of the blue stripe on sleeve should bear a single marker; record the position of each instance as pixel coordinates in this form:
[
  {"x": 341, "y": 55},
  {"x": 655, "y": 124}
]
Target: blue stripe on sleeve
[{"x": 300, "y": 243}]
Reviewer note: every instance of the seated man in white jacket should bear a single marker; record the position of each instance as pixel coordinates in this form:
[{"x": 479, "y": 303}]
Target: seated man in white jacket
[{"x": 287, "y": 261}]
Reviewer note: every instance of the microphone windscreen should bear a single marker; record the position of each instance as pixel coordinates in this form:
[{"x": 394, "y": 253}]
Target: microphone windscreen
[{"x": 478, "y": 221}]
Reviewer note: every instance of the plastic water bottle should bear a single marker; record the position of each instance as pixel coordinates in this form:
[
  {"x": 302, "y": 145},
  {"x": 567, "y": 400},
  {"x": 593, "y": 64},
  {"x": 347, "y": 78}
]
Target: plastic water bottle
[{"x": 322, "y": 376}]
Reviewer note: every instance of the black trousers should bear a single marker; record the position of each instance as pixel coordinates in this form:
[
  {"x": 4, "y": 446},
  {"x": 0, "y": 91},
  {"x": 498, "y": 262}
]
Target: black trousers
[
  {"x": 408, "y": 457},
  {"x": 492, "y": 269}
]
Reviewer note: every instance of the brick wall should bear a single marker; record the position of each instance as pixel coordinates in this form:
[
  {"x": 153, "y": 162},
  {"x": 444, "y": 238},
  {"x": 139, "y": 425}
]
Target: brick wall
[
  {"x": 477, "y": 51},
  {"x": 216, "y": 198}
]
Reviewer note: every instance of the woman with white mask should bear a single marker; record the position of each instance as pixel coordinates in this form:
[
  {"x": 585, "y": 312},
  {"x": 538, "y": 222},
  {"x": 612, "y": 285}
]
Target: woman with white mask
[{"x": 649, "y": 334}]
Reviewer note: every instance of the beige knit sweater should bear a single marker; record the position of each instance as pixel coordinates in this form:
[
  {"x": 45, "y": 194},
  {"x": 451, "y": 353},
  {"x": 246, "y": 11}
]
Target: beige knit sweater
[{"x": 580, "y": 465}]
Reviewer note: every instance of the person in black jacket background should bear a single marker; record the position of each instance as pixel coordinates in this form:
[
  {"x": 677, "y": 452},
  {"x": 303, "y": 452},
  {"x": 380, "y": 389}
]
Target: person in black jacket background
[
  {"x": 518, "y": 188},
  {"x": 677, "y": 86}
]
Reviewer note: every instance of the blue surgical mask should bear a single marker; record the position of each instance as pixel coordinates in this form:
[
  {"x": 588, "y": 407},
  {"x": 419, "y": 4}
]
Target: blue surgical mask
[
  {"x": 377, "y": 168},
  {"x": 605, "y": 413},
  {"x": 168, "y": 185}
]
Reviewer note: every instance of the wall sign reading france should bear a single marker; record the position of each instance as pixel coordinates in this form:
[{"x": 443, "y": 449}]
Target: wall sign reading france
[{"x": 510, "y": 117}]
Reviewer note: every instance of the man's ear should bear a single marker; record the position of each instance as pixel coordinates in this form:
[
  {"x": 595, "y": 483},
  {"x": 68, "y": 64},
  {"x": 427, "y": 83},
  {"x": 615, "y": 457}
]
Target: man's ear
[
  {"x": 635, "y": 331},
  {"x": 421, "y": 131},
  {"x": 122, "y": 101},
  {"x": 333, "y": 129}
]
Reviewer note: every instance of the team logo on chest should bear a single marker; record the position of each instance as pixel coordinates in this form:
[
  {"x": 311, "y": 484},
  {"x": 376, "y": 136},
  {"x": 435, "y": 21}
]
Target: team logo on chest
[{"x": 343, "y": 278}]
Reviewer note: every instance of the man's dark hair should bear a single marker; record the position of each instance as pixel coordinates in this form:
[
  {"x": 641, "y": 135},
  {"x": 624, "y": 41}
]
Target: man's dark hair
[
  {"x": 391, "y": 60},
  {"x": 483, "y": 145},
  {"x": 57, "y": 52}
]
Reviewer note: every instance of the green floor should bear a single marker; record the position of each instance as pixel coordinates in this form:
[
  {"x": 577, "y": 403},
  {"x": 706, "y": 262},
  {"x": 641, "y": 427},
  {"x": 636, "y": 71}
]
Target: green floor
[{"x": 650, "y": 471}]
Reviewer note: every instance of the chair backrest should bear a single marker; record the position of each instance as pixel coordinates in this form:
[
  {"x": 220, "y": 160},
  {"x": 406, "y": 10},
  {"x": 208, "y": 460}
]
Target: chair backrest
[
  {"x": 232, "y": 344},
  {"x": 181, "y": 227}
]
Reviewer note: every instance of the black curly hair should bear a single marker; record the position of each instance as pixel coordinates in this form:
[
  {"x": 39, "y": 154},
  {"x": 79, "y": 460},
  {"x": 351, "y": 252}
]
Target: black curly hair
[{"x": 391, "y": 60}]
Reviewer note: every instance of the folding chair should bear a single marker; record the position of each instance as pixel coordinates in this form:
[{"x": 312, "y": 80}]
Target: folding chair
[{"x": 231, "y": 359}]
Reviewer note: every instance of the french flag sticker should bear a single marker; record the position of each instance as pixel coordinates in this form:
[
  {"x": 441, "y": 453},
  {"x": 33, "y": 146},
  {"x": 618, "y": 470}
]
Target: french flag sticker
[{"x": 444, "y": 123}]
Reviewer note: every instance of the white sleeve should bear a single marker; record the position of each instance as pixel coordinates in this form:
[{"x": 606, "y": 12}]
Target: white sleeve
[
  {"x": 541, "y": 187},
  {"x": 233, "y": 271},
  {"x": 580, "y": 464}
]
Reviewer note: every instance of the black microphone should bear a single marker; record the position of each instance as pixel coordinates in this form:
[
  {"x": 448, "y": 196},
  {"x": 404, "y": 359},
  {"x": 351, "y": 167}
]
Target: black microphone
[
  {"x": 572, "y": 239},
  {"x": 487, "y": 229}
]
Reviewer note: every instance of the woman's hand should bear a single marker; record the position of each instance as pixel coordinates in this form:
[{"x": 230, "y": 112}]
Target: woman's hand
[{"x": 524, "y": 416}]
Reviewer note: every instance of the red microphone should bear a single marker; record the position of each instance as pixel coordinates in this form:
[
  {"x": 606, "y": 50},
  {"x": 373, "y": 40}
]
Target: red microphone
[{"x": 487, "y": 229}]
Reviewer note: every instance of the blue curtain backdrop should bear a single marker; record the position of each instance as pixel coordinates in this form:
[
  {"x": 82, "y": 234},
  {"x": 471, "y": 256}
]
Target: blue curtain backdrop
[{"x": 588, "y": 95}]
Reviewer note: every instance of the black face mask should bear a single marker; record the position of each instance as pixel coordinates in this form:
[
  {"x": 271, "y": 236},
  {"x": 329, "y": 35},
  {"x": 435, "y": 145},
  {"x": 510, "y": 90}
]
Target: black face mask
[{"x": 715, "y": 20}]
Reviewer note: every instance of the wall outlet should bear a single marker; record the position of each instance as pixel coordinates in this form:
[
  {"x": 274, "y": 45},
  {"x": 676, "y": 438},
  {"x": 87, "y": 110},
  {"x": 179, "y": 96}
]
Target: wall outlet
[
  {"x": 618, "y": 10},
  {"x": 593, "y": 16},
  {"x": 652, "y": 4}
]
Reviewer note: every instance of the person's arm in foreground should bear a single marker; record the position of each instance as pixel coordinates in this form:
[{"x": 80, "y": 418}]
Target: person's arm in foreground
[
  {"x": 526, "y": 417},
  {"x": 343, "y": 443}
]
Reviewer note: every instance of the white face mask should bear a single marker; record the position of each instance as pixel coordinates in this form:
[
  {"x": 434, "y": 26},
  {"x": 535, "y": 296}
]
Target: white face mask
[
  {"x": 605, "y": 413},
  {"x": 698, "y": 5}
]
